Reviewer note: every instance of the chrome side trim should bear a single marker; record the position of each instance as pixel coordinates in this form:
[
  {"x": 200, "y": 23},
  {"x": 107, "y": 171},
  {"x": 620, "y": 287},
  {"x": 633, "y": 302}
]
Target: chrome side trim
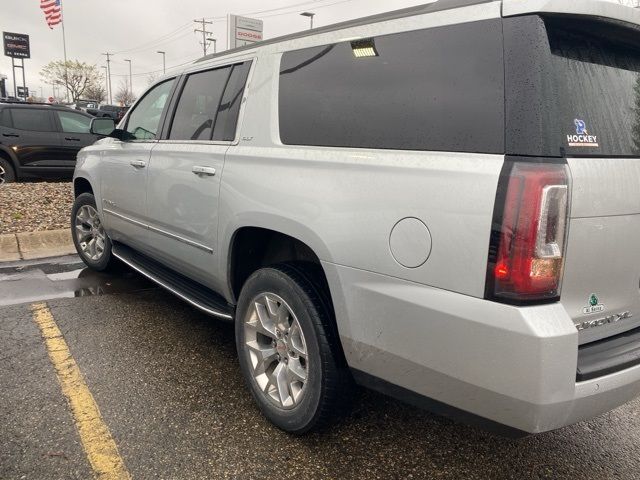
[
  {"x": 178, "y": 294},
  {"x": 125, "y": 218},
  {"x": 180, "y": 239},
  {"x": 160, "y": 231}
]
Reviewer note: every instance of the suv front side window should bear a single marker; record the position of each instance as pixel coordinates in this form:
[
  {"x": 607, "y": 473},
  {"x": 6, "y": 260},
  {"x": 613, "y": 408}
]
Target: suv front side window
[
  {"x": 73, "y": 123},
  {"x": 144, "y": 119}
]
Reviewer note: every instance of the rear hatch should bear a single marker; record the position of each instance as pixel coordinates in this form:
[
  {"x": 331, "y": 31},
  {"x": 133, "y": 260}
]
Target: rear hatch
[{"x": 573, "y": 92}]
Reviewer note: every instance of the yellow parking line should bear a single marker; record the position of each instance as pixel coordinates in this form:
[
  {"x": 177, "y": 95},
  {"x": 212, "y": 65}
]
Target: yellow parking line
[{"x": 99, "y": 446}]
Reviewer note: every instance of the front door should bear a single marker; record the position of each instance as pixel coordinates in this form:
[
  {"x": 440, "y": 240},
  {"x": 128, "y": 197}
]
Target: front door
[
  {"x": 124, "y": 170},
  {"x": 74, "y": 134}
]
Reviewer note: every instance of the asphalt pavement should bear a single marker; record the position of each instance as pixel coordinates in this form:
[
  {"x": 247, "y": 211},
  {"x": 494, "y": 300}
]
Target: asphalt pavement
[{"x": 169, "y": 392}]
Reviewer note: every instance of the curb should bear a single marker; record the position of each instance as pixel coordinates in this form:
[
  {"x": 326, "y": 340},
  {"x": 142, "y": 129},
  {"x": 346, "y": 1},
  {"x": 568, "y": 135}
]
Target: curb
[{"x": 34, "y": 245}]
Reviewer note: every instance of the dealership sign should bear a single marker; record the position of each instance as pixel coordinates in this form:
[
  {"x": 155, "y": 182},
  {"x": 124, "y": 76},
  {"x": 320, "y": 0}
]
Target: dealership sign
[
  {"x": 244, "y": 31},
  {"x": 16, "y": 45}
]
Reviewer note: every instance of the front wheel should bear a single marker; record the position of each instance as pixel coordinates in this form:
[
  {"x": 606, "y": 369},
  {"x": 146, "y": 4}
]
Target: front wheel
[
  {"x": 89, "y": 237},
  {"x": 288, "y": 350}
]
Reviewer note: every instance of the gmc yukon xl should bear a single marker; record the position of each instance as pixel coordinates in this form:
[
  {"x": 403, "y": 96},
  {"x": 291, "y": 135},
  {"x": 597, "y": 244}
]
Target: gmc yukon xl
[{"x": 440, "y": 203}]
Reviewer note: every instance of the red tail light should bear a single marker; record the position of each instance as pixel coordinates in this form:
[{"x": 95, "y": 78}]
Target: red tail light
[{"x": 526, "y": 255}]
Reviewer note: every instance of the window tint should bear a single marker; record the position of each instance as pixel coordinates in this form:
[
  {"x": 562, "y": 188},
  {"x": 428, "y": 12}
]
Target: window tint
[
  {"x": 32, "y": 119},
  {"x": 198, "y": 104},
  {"x": 573, "y": 87},
  {"x": 5, "y": 118},
  {"x": 227, "y": 120},
  {"x": 437, "y": 89},
  {"x": 73, "y": 122},
  {"x": 144, "y": 120}
]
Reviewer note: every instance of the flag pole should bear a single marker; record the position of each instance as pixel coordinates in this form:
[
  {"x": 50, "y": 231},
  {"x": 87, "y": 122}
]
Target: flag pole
[{"x": 64, "y": 46}]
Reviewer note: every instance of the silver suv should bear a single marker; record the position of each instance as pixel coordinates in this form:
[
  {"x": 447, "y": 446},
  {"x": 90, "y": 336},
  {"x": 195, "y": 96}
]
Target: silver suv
[{"x": 440, "y": 203}]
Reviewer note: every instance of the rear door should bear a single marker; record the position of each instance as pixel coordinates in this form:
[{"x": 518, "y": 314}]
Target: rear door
[
  {"x": 186, "y": 168},
  {"x": 574, "y": 93},
  {"x": 32, "y": 134}
]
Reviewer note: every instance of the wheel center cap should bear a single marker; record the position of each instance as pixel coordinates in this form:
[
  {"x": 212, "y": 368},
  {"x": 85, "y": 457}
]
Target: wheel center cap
[{"x": 281, "y": 347}]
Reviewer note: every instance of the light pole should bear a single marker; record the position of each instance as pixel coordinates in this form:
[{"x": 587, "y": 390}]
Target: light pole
[
  {"x": 130, "y": 77},
  {"x": 164, "y": 62},
  {"x": 106, "y": 81},
  {"x": 310, "y": 15},
  {"x": 215, "y": 41}
]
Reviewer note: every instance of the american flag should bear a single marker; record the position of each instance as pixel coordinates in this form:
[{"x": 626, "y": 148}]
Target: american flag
[{"x": 52, "y": 11}]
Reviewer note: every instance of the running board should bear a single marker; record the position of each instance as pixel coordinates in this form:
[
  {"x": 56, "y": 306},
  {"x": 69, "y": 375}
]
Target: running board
[{"x": 191, "y": 292}]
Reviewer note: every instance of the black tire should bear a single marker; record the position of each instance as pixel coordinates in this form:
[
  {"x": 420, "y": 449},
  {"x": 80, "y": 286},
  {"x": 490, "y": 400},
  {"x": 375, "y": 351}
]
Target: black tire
[
  {"x": 329, "y": 384},
  {"x": 107, "y": 261},
  {"x": 7, "y": 174}
]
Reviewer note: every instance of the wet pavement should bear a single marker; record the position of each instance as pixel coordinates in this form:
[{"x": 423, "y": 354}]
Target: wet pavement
[{"x": 167, "y": 384}]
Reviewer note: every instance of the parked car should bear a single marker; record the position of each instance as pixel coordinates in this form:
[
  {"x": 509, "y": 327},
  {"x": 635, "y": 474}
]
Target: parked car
[
  {"x": 440, "y": 203},
  {"x": 108, "y": 111},
  {"x": 41, "y": 140},
  {"x": 83, "y": 105}
]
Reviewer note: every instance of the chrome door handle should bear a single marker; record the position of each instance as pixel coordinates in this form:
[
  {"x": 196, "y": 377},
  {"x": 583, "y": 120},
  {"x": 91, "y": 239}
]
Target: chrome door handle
[
  {"x": 210, "y": 171},
  {"x": 138, "y": 163}
]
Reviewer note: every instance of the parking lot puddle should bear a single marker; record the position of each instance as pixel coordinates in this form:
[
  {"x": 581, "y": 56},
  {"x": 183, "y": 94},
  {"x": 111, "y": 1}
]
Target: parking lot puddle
[{"x": 34, "y": 282}]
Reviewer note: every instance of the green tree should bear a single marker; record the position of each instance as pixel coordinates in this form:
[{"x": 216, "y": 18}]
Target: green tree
[{"x": 74, "y": 76}]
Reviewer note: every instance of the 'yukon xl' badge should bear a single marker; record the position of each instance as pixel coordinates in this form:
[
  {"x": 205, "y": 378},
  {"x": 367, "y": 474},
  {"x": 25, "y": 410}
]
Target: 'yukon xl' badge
[
  {"x": 582, "y": 137},
  {"x": 594, "y": 305}
]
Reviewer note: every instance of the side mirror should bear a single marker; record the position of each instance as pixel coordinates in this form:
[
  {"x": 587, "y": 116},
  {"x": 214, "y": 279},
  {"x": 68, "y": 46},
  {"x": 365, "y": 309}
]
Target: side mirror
[{"x": 102, "y": 126}]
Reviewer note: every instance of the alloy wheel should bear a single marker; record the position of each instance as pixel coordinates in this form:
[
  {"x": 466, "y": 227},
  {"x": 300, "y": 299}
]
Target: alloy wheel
[
  {"x": 2, "y": 175},
  {"x": 90, "y": 233},
  {"x": 277, "y": 350}
]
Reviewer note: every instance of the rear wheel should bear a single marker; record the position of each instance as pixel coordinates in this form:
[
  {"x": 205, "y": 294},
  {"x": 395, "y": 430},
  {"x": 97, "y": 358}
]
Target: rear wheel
[
  {"x": 7, "y": 175},
  {"x": 287, "y": 350},
  {"x": 89, "y": 237}
]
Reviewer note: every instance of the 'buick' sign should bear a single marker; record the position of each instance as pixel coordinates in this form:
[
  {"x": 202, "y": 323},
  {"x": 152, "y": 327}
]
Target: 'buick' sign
[{"x": 16, "y": 45}]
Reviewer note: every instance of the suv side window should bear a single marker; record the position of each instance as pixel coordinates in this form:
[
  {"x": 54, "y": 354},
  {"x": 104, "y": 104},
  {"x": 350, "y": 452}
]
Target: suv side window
[
  {"x": 5, "y": 118},
  {"x": 32, "y": 119},
  {"x": 73, "y": 123},
  {"x": 144, "y": 119},
  {"x": 227, "y": 119},
  {"x": 438, "y": 89},
  {"x": 196, "y": 111}
]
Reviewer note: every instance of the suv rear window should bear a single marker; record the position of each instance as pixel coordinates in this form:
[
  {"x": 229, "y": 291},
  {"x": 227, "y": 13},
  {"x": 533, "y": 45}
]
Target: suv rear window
[
  {"x": 31, "y": 119},
  {"x": 436, "y": 89},
  {"x": 573, "y": 88}
]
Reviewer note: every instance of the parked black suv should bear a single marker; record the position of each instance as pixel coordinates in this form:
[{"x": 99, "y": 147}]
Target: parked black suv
[
  {"x": 108, "y": 111},
  {"x": 41, "y": 140}
]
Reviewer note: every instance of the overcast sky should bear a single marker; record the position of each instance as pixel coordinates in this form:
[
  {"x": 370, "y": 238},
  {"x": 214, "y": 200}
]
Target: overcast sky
[{"x": 136, "y": 29}]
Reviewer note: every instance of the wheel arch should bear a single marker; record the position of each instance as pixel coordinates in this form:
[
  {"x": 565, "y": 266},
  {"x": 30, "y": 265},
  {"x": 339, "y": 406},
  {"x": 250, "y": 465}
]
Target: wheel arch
[
  {"x": 81, "y": 185},
  {"x": 253, "y": 247}
]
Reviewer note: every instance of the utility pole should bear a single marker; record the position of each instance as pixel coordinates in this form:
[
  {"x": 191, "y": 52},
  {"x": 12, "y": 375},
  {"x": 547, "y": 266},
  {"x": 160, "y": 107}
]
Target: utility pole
[
  {"x": 130, "y": 76},
  {"x": 204, "y": 33},
  {"x": 164, "y": 60},
  {"x": 108, "y": 55},
  {"x": 105, "y": 79}
]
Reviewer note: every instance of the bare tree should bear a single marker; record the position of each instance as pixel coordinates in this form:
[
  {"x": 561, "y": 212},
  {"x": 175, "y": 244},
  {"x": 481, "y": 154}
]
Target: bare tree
[
  {"x": 151, "y": 79},
  {"x": 96, "y": 92},
  {"x": 124, "y": 96},
  {"x": 74, "y": 75}
]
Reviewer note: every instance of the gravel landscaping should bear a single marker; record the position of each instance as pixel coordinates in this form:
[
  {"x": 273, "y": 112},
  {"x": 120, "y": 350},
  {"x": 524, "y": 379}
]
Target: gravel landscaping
[{"x": 30, "y": 207}]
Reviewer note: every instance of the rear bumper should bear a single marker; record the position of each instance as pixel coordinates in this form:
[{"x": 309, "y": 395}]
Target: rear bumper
[{"x": 512, "y": 366}]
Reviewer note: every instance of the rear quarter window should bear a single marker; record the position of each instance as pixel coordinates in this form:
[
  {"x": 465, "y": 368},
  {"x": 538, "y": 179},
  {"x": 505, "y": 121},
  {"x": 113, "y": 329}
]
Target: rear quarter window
[{"x": 439, "y": 89}]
